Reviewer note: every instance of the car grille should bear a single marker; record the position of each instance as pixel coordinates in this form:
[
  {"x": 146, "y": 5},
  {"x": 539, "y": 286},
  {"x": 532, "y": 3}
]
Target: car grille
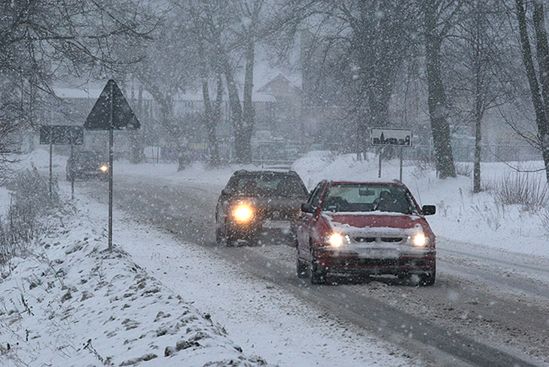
[{"x": 362, "y": 239}]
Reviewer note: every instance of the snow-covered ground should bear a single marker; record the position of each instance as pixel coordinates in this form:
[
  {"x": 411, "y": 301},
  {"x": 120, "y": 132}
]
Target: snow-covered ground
[
  {"x": 72, "y": 303},
  {"x": 261, "y": 317}
]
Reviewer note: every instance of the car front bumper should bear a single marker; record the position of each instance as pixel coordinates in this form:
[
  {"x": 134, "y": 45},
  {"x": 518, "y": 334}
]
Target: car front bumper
[
  {"x": 90, "y": 173},
  {"x": 259, "y": 226},
  {"x": 415, "y": 262}
]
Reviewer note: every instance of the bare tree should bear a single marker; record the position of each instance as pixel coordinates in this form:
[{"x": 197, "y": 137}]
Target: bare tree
[
  {"x": 41, "y": 40},
  {"x": 231, "y": 29},
  {"x": 168, "y": 69},
  {"x": 480, "y": 74},
  {"x": 540, "y": 98},
  {"x": 439, "y": 18},
  {"x": 355, "y": 49}
]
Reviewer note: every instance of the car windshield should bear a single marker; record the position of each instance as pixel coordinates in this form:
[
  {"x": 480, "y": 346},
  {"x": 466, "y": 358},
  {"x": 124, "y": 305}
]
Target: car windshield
[
  {"x": 87, "y": 157},
  {"x": 368, "y": 198},
  {"x": 269, "y": 184}
]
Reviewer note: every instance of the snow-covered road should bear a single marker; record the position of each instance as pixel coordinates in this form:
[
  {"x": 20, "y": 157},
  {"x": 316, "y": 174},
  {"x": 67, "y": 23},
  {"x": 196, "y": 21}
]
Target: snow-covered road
[{"x": 487, "y": 308}]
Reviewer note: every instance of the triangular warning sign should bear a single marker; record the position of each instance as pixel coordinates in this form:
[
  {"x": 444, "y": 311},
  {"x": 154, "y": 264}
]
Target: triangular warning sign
[{"x": 120, "y": 117}]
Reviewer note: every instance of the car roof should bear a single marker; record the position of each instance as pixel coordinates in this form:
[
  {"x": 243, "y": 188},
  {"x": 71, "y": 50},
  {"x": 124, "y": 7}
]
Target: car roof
[
  {"x": 369, "y": 182},
  {"x": 87, "y": 153},
  {"x": 262, "y": 172}
]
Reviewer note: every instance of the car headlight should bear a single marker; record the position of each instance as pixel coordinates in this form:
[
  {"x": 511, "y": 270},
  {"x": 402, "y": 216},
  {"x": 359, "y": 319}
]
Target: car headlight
[
  {"x": 336, "y": 240},
  {"x": 243, "y": 213},
  {"x": 104, "y": 168},
  {"x": 419, "y": 240}
]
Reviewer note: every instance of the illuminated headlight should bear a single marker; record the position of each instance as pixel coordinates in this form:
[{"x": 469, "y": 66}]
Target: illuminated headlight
[
  {"x": 104, "y": 168},
  {"x": 419, "y": 240},
  {"x": 336, "y": 240},
  {"x": 243, "y": 213}
]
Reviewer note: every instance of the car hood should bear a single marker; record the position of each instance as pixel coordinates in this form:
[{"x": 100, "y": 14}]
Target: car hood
[{"x": 374, "y": 220}]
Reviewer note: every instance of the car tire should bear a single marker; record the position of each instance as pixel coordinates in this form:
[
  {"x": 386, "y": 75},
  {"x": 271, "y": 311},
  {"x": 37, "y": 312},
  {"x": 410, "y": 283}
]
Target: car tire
[
  {"x": 428, "y": 279},
  {"x": 219, "y": 240},
  {"x": 229, "y": 241},
  {"x": 302, "y": 269},
  {"x": 318, "y": 275}
]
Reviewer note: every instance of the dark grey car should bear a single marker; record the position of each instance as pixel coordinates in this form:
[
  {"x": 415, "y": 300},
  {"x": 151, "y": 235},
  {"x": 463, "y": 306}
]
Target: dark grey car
[
  {"x": 87, "y": 164},
  {"x": 255, "y": 201}
]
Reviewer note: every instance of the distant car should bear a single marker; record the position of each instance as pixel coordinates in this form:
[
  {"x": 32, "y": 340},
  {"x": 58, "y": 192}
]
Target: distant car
[
  {"x": 87, "y": 164},
  {"x": 365, "y": 228},
  {"x": 256, "y": 200}
]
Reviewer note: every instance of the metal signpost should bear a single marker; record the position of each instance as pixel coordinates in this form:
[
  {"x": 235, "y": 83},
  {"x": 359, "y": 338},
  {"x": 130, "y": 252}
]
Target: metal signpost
[
  {"x": 111, "y": 112},
  {"x": 61, "y": 135},
  {"x": 395, "y": 137}
]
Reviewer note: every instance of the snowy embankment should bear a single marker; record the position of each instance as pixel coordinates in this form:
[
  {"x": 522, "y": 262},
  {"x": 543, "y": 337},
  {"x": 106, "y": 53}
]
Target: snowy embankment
[
  {"x": 475, "y": 219},
  {"x": 71, "y": 302}
]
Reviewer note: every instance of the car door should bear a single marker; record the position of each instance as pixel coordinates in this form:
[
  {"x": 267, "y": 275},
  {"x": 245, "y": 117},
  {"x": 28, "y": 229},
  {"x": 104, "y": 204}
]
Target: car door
[{"x": 307, "y": 221}]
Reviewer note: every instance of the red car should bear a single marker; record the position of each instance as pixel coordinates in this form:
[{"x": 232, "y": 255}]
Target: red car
[{"x": 365, "y": 228}]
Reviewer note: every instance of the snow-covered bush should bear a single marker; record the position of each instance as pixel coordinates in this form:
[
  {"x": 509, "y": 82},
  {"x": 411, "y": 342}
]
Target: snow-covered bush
[
  {"x": 31, "y": 199},
  {"x": 531, "y": 192}
]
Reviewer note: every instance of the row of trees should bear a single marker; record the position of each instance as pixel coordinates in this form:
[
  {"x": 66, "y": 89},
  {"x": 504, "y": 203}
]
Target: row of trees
[
  {"x": 43, "y": 40},
  {"x": 463, "y": 58}
]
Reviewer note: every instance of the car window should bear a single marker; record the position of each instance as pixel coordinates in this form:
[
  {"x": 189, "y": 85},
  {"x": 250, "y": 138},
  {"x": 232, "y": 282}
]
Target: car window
[
  {"x": 87, "y": 156},
  {"x": 368, "y": 198},
  {"x": 279, "y": 185}
]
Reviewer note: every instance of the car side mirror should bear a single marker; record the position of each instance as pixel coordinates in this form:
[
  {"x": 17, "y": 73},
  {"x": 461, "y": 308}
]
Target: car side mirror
[
  {"x": 307, "y": 208},
  {"x": 428, "y": 209}
]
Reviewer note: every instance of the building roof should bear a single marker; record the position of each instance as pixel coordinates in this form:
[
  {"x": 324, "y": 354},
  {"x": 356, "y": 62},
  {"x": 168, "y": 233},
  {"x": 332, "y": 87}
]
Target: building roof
[{"x": 279, "y": 80}]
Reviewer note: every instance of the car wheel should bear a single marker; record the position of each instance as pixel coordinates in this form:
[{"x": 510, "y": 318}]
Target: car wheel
[
  {"x": 318, "y": 275},
  {"x": 229, "y": 240},
  {"x": 219, "y": 239},
  {"x": 428, "y": 279},
  {"x": 302, "y": 268}
]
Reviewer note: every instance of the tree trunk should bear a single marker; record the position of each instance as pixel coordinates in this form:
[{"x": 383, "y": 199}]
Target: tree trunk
[
  {"x": 478, "y": 152},
  {"x": 248, "y": 112},
  {"x": 542, "y": 48},
  {"x": 539, "y": 108},
  {"x": 479, "y": 97},
  {"x": 137, "y": 149},
  {"x": 440, "y": 128},
  {"x": 241, "y": 145},
  {"x": 211, "y": 119}
]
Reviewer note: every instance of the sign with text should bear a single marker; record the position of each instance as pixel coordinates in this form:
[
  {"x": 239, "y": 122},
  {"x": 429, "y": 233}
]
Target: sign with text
[
  {"x": 398, "y": 137},
  {"x": 61, "y": 134}
]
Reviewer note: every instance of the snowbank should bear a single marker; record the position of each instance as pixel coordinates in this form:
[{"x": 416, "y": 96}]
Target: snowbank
[{"x": 72, "y": 303}]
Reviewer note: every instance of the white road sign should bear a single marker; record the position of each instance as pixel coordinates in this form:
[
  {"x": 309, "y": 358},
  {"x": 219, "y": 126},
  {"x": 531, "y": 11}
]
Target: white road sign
[{"x": 398, "y": 137}]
